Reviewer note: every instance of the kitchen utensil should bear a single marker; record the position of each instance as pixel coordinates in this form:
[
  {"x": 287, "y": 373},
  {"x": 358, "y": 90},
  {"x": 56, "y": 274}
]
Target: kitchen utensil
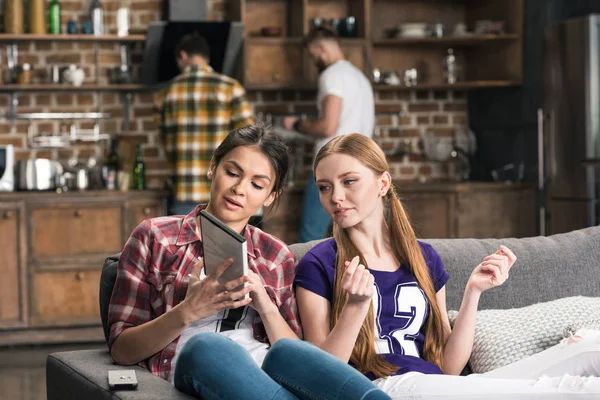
[
  {"x": 55, "y": 74},
  {"x": 74, "y": 75},
  {"x": 413, "y": 30},
  {"x": 437, "y": 29},
  {"x": 13, "y": 16},
  {"x": 38, "y": 174},
  {"x": 24, "y": 74},
  {"x": 348, "y": 27},
  {"x": 72, "y": 27},
  {"x": 37, "y": 20},
  {"x": 376, "y": 75},
  {"x": 410, "y": 77}
]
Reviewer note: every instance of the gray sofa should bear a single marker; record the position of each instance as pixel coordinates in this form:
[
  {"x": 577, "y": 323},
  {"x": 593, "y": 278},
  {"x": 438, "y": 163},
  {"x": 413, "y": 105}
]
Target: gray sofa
[{"x": 548, "y": 268}]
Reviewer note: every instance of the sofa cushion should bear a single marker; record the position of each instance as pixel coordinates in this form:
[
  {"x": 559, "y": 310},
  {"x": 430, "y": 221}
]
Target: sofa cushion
[
  {"x": 83, "y": 374},
  {"x": 505, "y": 336},
  {"x": 107, "y": 283},
  {"x": 547, "y": 268}
]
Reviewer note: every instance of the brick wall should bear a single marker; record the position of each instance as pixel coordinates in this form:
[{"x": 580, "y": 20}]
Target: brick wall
[{"x": 402, "y": 117}]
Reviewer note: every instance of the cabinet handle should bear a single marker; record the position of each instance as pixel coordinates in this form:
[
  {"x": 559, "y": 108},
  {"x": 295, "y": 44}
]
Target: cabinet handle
[
  {"x": 78, "y": 213},
  {"x": 8, "y": 214},
  {"x": 276, "y": 76},
  {"x": 79, "y": 276},
  {"x": 147, "y": 210}
]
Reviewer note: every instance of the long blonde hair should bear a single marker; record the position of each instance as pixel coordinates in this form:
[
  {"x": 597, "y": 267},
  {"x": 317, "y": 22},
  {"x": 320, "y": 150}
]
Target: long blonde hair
[{"x": 406, "y": 250}]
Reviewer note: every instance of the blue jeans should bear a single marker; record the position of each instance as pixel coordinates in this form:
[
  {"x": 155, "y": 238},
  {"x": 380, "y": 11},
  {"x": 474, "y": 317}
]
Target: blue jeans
[
  {"x": 213, "y": 367},
  {"x": 314, "y": 221}
]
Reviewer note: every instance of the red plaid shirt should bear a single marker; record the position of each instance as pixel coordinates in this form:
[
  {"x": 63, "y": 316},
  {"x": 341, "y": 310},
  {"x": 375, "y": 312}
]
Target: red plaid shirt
[{"x": 152, "y": 277}]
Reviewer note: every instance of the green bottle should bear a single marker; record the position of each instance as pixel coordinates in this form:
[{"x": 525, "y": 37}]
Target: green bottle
[
  {"x": 139, "y": 170},
  {"x": 54, "y": 16}
]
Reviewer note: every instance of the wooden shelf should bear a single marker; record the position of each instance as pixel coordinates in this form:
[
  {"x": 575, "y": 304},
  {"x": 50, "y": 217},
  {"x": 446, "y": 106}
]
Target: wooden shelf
[
  {"x": 272, "y": 40},
  {"x": 276, "y": 86},
  {"x": 468, "y": 40},
  {"x": 448, "y": 86},
  {"x": 423, "y": 86},
  {"x": 68, "y": 88},
  {"x": 67, "y": 38}
]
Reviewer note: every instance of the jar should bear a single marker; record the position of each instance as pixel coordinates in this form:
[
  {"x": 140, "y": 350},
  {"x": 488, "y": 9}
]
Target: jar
[
  {"x": 24, "y": 74},
  {"x": 13, "y": 17},
  {"x": 37, "y": 17}
]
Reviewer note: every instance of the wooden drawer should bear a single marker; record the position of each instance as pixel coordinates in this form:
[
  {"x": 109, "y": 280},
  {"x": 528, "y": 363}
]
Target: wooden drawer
[
  {"x": 61, "y": 298},
  {"x": 430, "y": 214},
  {"x": 68, "y": 230},
  {"x": 12, "y": 288},
  {"x": 141, "y": 210}
]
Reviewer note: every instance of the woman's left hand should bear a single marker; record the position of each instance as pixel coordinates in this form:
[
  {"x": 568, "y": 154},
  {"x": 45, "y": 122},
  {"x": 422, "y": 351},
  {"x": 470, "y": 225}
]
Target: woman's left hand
[
  {"x": 493, "y": 270},
  {"x": 261, "y": 301}
]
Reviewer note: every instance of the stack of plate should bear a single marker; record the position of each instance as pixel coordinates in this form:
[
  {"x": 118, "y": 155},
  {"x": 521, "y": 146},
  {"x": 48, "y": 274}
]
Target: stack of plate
[{"x": 413, "y": 30}]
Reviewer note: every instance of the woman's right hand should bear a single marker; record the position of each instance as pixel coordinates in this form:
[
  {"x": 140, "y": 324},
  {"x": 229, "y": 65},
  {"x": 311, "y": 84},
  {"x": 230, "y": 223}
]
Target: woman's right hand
[
  {"x": 358, "y": 282},
  {"x": 204, "y": 297}
]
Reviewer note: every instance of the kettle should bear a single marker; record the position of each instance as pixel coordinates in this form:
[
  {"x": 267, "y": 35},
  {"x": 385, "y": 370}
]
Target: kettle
[{"x": 38, "y": 174}]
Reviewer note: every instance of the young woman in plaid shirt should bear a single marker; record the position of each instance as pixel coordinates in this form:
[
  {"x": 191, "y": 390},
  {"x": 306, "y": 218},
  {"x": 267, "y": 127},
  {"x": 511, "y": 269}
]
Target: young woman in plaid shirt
[{"x": 184, "y": 326}]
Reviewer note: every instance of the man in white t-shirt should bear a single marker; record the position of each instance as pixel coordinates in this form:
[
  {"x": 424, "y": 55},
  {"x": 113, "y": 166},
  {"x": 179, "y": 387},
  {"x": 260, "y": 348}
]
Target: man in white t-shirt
[{"x": 345, "y": 104}]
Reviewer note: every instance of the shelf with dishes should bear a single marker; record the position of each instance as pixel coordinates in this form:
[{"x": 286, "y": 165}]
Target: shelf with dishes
[
  {"x": 453, "y": 40},
  {"x": 465, "y": 85},
  {"x": 6, "y": 37}
]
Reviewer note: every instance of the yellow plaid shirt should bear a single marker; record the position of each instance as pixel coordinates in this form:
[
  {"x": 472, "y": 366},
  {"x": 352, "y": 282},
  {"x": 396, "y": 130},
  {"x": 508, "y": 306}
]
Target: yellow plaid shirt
[{"x": 199, "y": 110}]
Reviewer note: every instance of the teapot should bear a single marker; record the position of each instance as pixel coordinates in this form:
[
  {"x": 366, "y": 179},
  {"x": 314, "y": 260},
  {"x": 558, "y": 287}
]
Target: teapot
[{"x": 74, "y": 75}]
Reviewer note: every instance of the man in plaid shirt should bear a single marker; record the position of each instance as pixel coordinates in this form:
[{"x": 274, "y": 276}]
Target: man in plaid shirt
[{"x": 199, "y": 109}]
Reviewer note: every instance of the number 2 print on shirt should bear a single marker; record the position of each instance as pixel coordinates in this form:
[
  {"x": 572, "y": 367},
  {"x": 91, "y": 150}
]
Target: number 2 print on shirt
[{"x": 397, "y": 324}]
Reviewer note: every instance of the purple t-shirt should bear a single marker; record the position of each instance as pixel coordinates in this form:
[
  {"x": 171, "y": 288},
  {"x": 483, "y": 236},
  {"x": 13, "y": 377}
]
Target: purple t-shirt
[{"x": 400, "y": 306}]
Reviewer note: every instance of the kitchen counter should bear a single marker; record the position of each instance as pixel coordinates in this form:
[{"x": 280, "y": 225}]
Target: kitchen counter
[
  {"x": 446, "y": 187},
  {"x": 77, "y": 196},
  {"x": 438, "y": 209}
]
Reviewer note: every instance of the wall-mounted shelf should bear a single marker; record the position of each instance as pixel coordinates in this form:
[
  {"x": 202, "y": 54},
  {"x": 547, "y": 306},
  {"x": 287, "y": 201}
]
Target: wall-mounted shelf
[
  {"x": 449, "y": 86},
  {"x": 454, "y": 41},
  {"x": 73, "y": 38},
  {"x": 66, "y": 88},
  {"x": 57, "y": 116},
  {"x": 487, "y": 60}
]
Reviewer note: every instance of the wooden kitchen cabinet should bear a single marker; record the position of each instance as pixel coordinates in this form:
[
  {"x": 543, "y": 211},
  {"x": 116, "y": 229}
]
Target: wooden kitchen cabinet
[
  {"x": 76, "y": 303},
  {"x": 430, "y": 214},
  {"x": 66, "y": 231},
  {"x": 54, "y": 248},
  {"x": 439, "y": 210},
  {"x": 273, "y": 63},
  {"x": 488, "y": 60},
  {"x": 138, "y": 211},
  {"x": 13, "y": 305}
]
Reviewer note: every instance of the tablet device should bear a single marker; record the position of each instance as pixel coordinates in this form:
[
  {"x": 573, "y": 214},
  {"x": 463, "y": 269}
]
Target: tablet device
[{"x": 220, "y": 242}]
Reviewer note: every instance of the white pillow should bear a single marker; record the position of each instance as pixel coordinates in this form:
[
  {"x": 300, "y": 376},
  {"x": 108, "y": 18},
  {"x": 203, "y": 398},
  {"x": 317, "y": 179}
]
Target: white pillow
[{"x": 505, "y": 336}]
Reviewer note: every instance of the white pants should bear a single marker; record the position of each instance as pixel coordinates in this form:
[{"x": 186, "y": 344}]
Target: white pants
[{"x": 569, "y": 370}]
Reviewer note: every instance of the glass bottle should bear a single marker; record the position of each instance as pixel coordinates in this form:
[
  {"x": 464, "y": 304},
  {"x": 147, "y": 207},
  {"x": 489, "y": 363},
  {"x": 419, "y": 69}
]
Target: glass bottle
[
  {"x": 452, "y": 67},
  {"x": 54, "y": 17},
  {"x": 97, "y": 17},
  {"x": 111, "y": 167},
  {"x": 139, "y": 170}
]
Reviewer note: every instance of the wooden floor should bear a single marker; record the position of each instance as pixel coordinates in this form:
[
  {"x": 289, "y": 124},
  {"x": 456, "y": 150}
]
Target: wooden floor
[{"x": 23, "y": 370}]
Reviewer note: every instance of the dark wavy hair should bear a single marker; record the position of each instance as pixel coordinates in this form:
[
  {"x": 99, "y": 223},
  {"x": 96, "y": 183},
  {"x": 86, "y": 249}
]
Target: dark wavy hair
[{"x": 263, "y": 137}]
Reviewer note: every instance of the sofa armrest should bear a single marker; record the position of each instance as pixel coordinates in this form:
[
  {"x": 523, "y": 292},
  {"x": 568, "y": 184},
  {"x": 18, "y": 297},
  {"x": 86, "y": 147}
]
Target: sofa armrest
[{"x": 83, "y": 374}]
